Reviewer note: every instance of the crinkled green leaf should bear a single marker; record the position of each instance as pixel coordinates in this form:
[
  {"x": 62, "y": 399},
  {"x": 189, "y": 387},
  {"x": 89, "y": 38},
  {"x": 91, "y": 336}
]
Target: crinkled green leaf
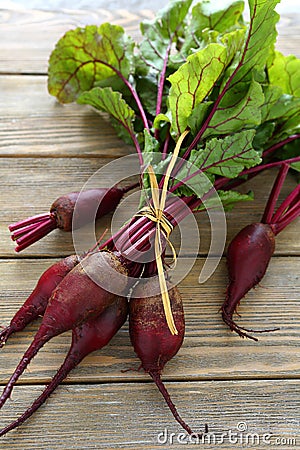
[
  {"x": 160, "y": 119},
  {"x": 283, "y": 110},
  {"x": 278, "y": 105},
  {"x": 198, "y": 116},
  {"x": 193, "y": 81},
  {"x": 161, "y": 32},
  {"x": 233, "y": 42},
  {"x": 84, "y": 56},
  {"x": 151, "y": 144},
  {"x": 207, "y": 17},
  {"x": 285, "y": 73},
  {"x": 263, "y": 135},
  {"x": 146, "y": 88},
  {"x": 261, "y": 36},
  {"x": 296, "y": 166},
  {"x": 290, "y": 150},
  {"x": 227, "y": 157},
  {"x": 228, "y": 198},
  {"x": 121, "y": 132},
  {"x": 238, "y": 109},
  {"x": 220, "y": 16},
  {"x": 197, "y": 185},
  {"x": 105, "y": 99}
]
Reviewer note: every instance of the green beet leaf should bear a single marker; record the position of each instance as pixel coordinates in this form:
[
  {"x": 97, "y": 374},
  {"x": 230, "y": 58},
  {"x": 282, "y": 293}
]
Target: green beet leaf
[
  {"x": 193, "y": 81},
  {"x": 228, "y": 198},
  {"x": 207, "y": 17},
  {"x": 261, "y": 36},
  {"x": 263, "y": 136},
  {"x": 227, "y": 157},
  {"x": 159, "y": 35},
  {"x": 285, "y": 73},
  {"x": 86, "y": 55},
  {"x": 194, "y": 182},
  {"x": 105, "y": 99},
  {"x": 208, "y": 14},
  {"x": 238, "y": 109}
]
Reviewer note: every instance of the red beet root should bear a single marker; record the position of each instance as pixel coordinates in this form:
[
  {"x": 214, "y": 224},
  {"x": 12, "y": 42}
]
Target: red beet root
[
  {"x": 92, "y": 335},
  {"x": 248, "y": 257},
  {"x": 102, "y": 201},
  {"x": 99, "y": 201},
  {"x": 36, "y": 303},
  {"x": 150, "y": 335},
  {"x": 249, "y": 253},
  {"x": 76, "y": 300}
]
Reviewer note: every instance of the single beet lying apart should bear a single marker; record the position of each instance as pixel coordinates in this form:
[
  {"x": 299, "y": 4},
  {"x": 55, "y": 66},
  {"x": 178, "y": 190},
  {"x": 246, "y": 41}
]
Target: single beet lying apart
[
  {"x": 151, "y": 337},
  {"x": 86, "y": 338},
  {"x": 76, "y": 300},
  {"x": 250, "y": 251},
  {"x": 37, "y": 301},
  {"x": 77, "y": 208}
]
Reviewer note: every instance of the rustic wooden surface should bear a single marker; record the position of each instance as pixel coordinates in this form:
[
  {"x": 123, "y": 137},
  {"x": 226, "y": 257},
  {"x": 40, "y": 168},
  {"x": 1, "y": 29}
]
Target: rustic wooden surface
[{"x": 216, "y": 378}]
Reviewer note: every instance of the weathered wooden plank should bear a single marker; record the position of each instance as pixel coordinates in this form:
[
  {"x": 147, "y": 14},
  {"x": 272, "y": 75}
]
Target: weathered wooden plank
[
  {"x": 32, "y": 123},
  {"x": 110, "y": 416},
  {"x": 25, "y": 48},
  {"x": 210, "y": 350},
  {"x": 30, "y": 185}
]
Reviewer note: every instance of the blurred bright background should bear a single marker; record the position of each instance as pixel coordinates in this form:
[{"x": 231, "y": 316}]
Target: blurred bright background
[{"x": 286, "y": 6}]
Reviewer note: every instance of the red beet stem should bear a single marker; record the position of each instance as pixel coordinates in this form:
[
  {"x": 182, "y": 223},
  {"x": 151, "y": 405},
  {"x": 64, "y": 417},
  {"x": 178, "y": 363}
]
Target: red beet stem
[
  {"x": 288, "y": 218},
  {"x": 38, "y": 229},
  {"x": 35, "y": 235},
  {"x": 28, "y": 221},
  {"x": 163, "y": 390},
  {"x": 280, "y": 144},
  {"x": 273, "y": 197},
  {"x": 23, "y": 231},
  {"x": 30, "y": 230},
  {"x": 290, "y": 199}
]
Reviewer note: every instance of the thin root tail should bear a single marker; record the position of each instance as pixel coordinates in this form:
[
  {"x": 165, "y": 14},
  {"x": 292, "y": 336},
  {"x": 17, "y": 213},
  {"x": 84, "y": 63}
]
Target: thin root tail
[
  {"x": 242, "y": 331},
  {"x": 32, "y": 350},
  {"x": 158, "y": 381},
  {"x": 4, "y": 335},
  {"x": 66, "y": 367}
]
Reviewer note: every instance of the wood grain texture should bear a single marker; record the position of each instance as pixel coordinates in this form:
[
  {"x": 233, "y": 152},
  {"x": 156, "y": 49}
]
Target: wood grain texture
[
  {"x": 114, "y": 416},
  {"x": 210, "y": 350},
  {"x": 32, "y": 123},
  {"x": 25, "y": 48}
]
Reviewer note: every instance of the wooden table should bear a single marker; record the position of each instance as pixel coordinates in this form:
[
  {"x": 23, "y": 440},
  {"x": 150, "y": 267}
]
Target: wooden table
[{"x": 217, "y": 378}]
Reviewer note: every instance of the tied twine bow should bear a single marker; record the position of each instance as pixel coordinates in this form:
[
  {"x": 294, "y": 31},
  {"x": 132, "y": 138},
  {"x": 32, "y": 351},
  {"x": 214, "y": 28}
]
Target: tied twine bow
[{"x": 156, "y": 214}]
